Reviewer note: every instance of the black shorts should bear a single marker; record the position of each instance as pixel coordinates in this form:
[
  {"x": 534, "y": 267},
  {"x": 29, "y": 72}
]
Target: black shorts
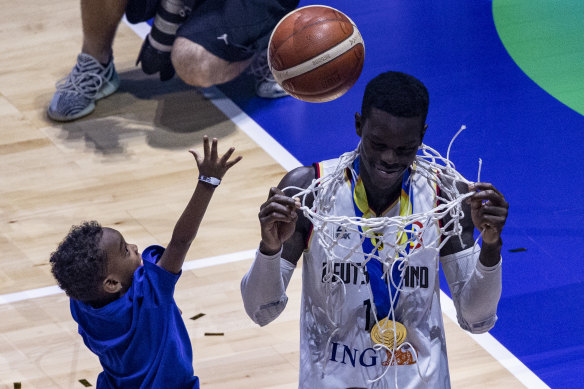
[{"x": 234, "y": 29}]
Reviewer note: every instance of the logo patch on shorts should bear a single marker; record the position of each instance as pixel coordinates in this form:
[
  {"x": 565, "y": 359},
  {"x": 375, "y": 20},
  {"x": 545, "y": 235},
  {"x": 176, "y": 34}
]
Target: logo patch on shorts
[{"x": 224, "y": 38}]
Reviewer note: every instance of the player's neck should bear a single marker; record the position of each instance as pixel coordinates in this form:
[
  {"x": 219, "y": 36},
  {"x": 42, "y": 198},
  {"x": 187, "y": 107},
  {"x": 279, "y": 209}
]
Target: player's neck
[
  {"x": 380, "y": 200},
  {"x": 103, "y": 300}
]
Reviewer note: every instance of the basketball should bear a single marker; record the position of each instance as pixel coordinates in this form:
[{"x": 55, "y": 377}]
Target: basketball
[{"x": 316, "y": 53}]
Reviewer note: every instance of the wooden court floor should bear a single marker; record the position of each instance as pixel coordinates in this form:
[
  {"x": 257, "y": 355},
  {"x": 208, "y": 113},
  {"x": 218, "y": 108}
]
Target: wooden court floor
[{"x": 127, "y": 166}]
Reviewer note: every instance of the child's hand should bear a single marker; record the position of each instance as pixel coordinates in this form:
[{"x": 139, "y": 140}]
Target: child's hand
[{"x": 211, "y": 165}]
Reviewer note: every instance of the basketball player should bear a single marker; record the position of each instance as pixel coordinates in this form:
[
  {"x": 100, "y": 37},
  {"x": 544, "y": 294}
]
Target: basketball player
[
  {"x": 123, "y": 302},
  {"x": 207, "y": 42},
  {"x": 391, "y": 126}
]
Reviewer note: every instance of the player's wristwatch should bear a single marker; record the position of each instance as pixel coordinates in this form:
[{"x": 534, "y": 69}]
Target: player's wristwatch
[{"x": 210, "y": 180}]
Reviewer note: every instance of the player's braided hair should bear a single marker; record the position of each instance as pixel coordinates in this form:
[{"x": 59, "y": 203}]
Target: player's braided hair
[{"x": 79, "y": 265}]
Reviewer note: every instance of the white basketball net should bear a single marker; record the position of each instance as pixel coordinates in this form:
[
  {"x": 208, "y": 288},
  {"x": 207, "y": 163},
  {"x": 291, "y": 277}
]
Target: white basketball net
[{"x": 329, "y": 229}]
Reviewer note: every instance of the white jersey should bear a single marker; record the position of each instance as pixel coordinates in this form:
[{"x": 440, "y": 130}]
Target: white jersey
[{"x": 336, "y": 350}]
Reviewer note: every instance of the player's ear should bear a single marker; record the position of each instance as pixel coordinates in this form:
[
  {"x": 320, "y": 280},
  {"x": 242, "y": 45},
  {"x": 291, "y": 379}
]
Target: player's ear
[
  {"x": 423, "y": 133},
  {"x": 358, "y": 124},
  {"x": 111, "y": 285}
]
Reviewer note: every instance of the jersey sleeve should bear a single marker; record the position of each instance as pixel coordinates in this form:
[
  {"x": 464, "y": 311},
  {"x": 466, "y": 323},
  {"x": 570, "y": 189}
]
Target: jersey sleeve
[
  {"x": 155, "y": 280},
  {"x": 475, "y": 289},
  {"x": 263, "y": 287}
]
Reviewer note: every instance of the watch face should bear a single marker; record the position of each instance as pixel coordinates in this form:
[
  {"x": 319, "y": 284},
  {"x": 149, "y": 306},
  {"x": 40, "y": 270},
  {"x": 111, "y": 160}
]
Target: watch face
[{"x": 210, "y": 180}]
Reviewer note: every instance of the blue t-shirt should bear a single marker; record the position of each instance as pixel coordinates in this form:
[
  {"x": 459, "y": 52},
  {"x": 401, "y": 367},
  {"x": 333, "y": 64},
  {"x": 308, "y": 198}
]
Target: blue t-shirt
[{"x": 140, "y": 338}]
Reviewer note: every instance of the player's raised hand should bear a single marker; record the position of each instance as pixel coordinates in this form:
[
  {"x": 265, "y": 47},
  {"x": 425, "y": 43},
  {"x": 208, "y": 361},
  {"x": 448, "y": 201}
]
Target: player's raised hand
[
  {"x": 210, "y": 164},
  {"x": 488, "y": 210},
  {"x": 277, "y": 220}
]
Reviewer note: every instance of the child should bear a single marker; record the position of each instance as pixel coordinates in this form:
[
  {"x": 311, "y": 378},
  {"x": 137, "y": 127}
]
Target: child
[{"x": 124, "y": 304}]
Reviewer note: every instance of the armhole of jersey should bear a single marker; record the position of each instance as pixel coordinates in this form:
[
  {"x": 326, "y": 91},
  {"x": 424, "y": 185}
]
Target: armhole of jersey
[
  {"x": 436, "y": 204},
  {"x": 348, "y": 176},
  {"x": 318, "y": 169}
]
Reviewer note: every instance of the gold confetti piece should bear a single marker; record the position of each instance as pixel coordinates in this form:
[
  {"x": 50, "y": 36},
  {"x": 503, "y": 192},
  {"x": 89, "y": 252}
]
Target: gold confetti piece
[
  {"x": 197, "y": 316},
  {"x": 518, "y": 250}
]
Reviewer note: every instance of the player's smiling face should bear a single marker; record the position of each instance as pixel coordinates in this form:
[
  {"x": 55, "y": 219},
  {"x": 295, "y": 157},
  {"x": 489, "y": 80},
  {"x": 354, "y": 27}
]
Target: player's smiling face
[
  {"x": 123, "y": 260},
  {"x": 388, "y": 147}
]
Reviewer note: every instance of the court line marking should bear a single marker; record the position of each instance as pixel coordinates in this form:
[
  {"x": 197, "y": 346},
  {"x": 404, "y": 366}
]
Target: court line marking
[
  {"x": 236, "y": 115},
  {"x": 282, "y": 156},
  {"x": 251, "y": 128},
  {"x": 496, "y": 349},
  {"x": 188, "y": 265}
]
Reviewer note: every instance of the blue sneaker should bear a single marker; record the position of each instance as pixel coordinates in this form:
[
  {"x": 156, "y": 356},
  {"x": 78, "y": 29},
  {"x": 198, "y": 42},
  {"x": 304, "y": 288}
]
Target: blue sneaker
[{"x": 77, "y": 93}]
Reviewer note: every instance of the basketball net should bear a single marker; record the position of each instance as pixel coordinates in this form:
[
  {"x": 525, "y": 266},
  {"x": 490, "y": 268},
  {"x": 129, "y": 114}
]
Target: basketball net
[{"x": 329, "y": 229}]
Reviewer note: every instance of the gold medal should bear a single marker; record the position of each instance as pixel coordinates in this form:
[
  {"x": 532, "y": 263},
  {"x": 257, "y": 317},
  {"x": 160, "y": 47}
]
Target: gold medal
[{"x": 389, "y": 333}]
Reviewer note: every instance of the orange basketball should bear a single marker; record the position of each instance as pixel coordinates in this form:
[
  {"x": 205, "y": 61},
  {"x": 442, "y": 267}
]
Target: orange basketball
[{"x": 316, "y": 53}]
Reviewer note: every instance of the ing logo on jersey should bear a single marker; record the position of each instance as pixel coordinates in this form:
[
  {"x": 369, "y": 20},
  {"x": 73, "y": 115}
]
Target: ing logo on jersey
[{"x": 349, "y": 356}]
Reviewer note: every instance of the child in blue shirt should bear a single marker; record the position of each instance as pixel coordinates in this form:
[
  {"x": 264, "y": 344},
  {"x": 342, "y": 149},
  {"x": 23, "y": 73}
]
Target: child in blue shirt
[{"x": 123, "y": 301}]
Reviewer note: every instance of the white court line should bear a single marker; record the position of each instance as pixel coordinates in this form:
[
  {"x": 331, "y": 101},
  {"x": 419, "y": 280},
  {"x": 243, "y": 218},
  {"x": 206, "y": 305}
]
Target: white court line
[
  {"x": 219, "y": 260},
  {"x": 29, "y": 294},
  {"x": 188, "y": 265},
  {"x": 496, "y": 349},
  {"x": 252, "y": 129},
  {"x": 237, "y": 116},
  {"x": 282, "y": 156}
]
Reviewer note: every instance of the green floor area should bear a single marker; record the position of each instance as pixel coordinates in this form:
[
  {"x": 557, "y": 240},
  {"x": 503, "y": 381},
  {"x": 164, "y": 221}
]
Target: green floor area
[{"x": 546, "y": 40}]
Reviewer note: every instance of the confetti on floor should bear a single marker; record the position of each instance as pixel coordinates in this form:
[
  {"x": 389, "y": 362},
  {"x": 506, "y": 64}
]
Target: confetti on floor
[{"x": 197, "y": 316}]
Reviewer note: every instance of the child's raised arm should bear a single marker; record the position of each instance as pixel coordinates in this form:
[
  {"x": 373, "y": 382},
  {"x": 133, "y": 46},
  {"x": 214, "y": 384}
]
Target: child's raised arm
[{"x": 211, "y": 170}]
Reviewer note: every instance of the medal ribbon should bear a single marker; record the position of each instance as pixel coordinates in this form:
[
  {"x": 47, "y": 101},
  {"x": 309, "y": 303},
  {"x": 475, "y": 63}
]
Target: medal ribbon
[{"x": 379, "y": 287}]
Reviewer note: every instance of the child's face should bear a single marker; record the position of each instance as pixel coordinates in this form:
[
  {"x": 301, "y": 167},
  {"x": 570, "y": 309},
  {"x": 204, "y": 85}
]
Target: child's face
[{"x": 123, "y": 260}]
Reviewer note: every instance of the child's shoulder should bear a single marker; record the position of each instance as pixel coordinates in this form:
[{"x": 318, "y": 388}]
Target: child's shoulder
[{"x": 152, "y": 253}]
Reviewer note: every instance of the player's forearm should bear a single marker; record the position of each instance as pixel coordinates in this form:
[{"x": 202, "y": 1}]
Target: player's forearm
[
  {"x": 263, "y": 287},
  {"x": 475, "y": 289},
  {"x": 491, "y": 253},
  {"x": 187, "y": 226},
  {"x": 479, "y": 298}
]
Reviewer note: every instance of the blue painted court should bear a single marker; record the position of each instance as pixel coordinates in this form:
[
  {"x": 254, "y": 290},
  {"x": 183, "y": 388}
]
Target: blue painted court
[{"x": 491, "y": 66}]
